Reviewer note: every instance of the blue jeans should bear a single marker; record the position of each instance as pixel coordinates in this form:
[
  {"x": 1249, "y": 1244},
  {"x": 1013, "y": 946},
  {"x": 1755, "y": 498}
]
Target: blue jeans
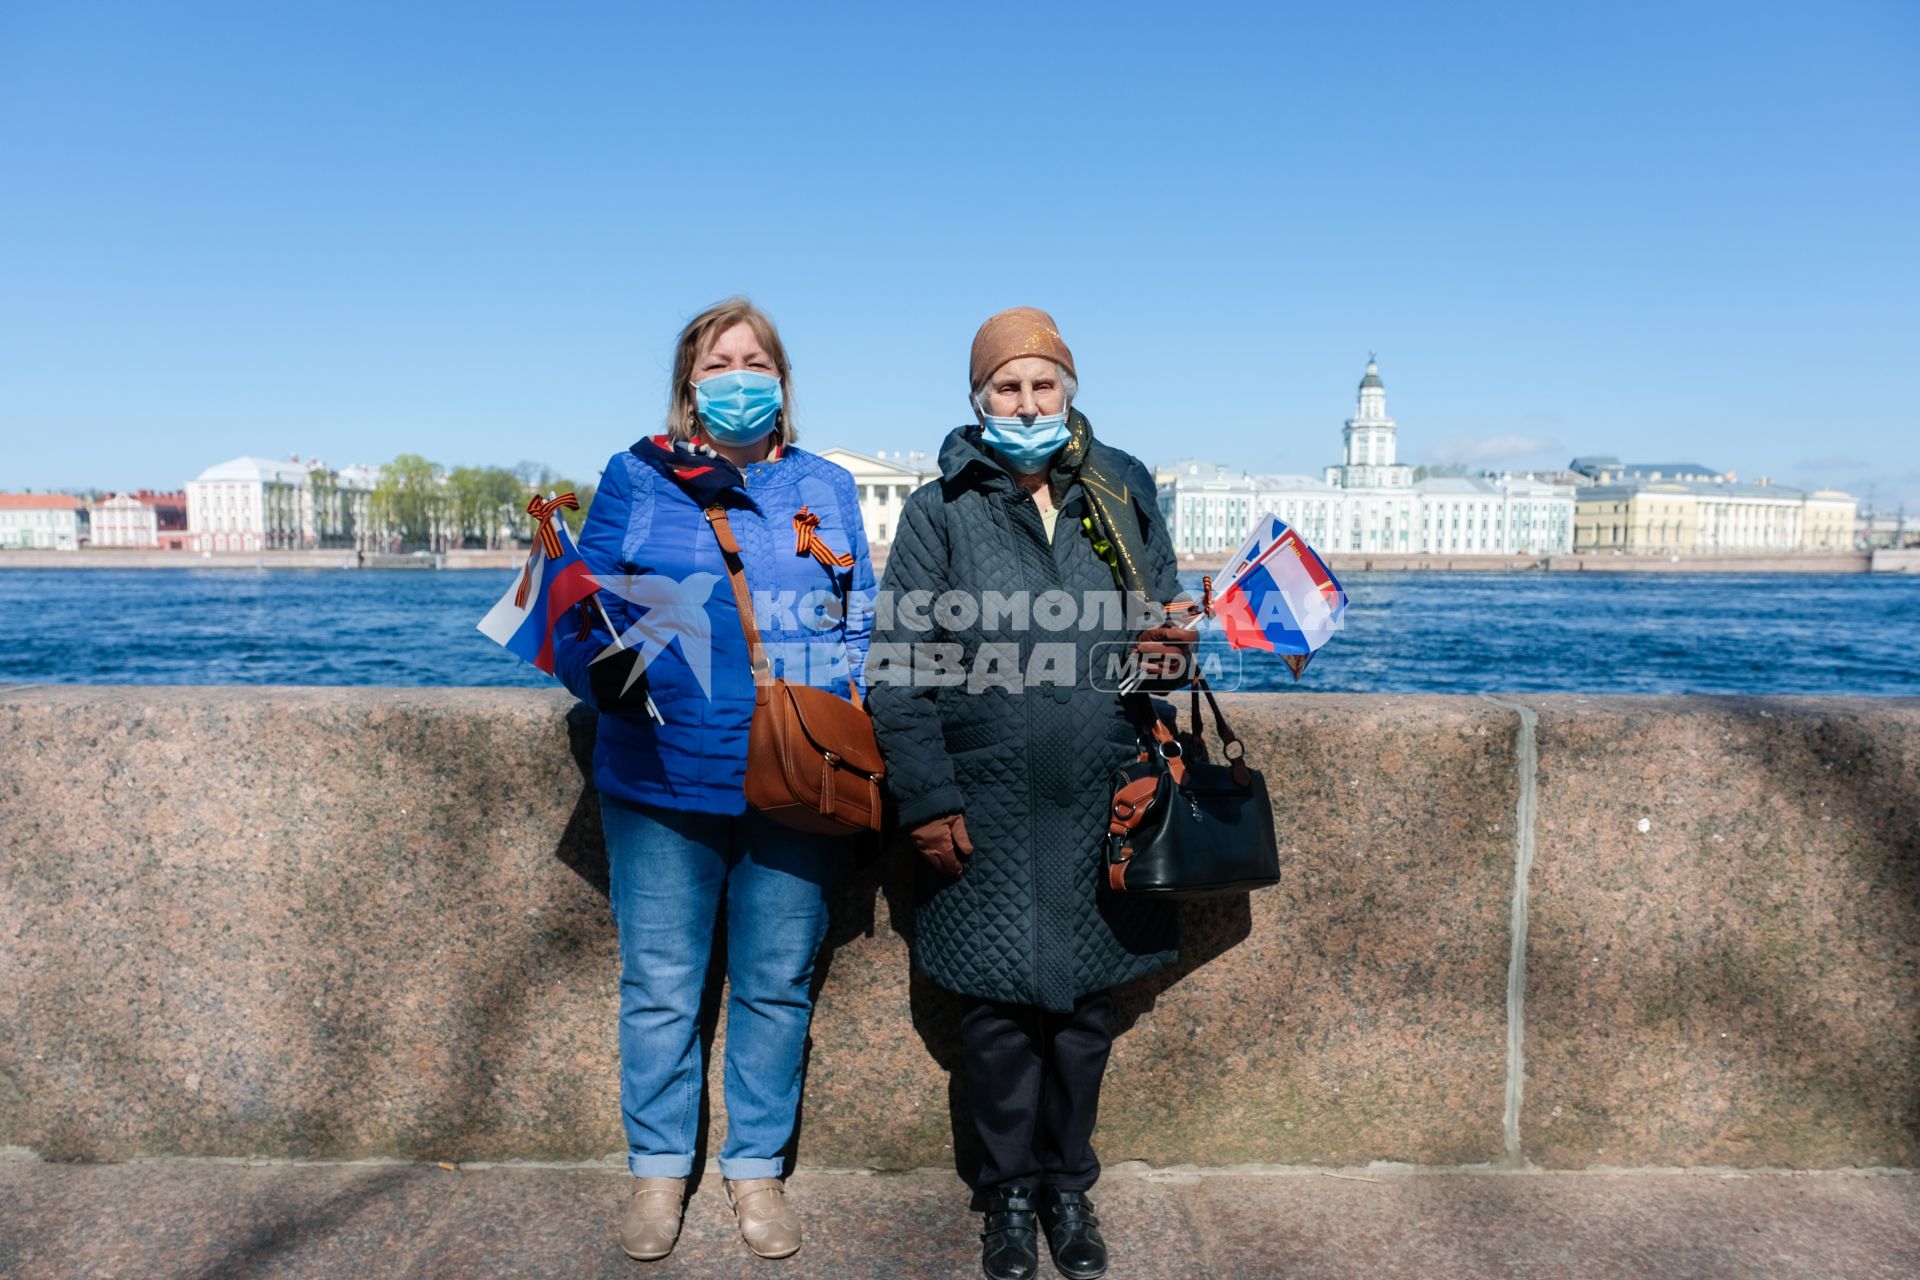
[{"x": 670, "y": 872}]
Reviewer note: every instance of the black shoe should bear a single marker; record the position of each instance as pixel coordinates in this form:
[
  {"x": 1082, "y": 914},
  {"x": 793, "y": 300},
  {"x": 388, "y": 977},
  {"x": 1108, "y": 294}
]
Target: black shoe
[
  {"x": 1073, "y": 1234},
  {"x": 1009, "y": 1242}
]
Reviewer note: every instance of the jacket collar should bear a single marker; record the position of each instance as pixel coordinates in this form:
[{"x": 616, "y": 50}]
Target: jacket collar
[
  {"x": 703, "y": 475},
  {"x": 965, "y": 460}
]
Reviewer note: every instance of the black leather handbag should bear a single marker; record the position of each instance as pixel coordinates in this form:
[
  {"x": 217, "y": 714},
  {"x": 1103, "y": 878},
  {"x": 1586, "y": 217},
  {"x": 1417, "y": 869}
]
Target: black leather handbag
[{"x": 1181, "y": 826}]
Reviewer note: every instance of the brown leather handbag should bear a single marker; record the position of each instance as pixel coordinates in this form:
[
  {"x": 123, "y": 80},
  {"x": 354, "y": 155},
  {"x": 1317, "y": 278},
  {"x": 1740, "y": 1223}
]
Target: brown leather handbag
[{"x": 812, "y": 760}]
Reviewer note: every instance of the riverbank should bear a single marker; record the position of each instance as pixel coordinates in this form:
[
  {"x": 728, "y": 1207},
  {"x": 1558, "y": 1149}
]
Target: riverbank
[
  {"x": 1822, "y": 562},
  {"x": 331, "y": 558},
  {"x": 1600, "y": 562}
]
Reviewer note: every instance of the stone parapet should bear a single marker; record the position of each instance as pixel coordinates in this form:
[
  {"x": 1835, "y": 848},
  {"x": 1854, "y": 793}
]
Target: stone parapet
[{"x": 341, "y": 923}]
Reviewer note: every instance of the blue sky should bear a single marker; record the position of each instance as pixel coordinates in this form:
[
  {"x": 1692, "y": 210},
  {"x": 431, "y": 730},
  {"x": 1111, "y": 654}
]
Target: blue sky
[{"x": 471, "y": 230}]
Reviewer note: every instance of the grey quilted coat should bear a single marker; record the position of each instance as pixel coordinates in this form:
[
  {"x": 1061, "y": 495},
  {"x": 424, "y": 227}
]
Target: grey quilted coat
[{"x": 1027, "y": 922}]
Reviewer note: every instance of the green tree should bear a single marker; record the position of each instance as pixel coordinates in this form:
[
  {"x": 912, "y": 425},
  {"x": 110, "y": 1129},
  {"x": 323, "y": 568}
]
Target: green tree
[
  {"x": 410, "y": 502},
  {"x": 487, "y": 503},
  {"x": 323, "y": 498}
]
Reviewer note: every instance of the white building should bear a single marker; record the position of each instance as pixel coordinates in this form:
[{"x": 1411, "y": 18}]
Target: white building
[
  {"x": 1209, "y": 508},
  {"x": 143, "y": 519},
  {"x": 42, "y": 521},
  {"x": 262, "y": 504},
  {"x": 248, "y": 504},
  {"x": 1468, "y": 515},
  {"x": 1368, "y": 501},
  {"x": 883, "y": 484}
]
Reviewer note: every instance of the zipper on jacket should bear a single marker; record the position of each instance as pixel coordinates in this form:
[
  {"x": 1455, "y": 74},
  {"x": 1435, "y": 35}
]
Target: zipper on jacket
[{"x": 1025, "y": 499}]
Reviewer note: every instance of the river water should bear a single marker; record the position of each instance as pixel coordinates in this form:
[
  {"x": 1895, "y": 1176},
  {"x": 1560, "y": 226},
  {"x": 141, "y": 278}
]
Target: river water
[{"x": 1406, "y": 632}]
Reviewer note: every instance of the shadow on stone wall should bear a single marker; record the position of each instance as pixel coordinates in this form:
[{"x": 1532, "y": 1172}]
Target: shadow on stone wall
[
  {"x": 333, "y": 924},
  {"x": 1742, "y": 959},
  {"x": 1208, "y": 929},
  {"x": 872, "y": 872},
  {"x": 582, "y": 849}
]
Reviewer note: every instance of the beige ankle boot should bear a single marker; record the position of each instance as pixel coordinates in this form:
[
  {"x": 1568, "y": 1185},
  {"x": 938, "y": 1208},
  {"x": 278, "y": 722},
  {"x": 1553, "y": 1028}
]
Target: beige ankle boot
[
  {"x": 650, "y": 1223},
  {"x": 767, "y": 1222}
]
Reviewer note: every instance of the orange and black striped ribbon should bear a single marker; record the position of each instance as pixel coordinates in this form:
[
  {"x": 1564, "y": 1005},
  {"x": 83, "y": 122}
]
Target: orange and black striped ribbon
[
  {"x": 807, "y": 541},
  {"x": 545, "y": 538}
]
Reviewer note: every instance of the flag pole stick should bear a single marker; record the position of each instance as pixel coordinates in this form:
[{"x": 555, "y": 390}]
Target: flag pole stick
[
  {"x": 1134, "y": 677},
  {"x": 614, "y": 631}
]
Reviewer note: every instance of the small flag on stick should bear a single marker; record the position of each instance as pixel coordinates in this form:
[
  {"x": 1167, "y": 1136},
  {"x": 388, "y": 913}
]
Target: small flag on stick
[
  {"x": 1279, "y": 597},
  {"x": 554, "y": 579}
]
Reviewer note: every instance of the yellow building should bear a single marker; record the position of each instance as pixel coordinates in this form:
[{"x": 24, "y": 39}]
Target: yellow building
[
  {"x": 1694, "y": 517},
  {"x": 1650, "y": 518},
  {"x": 1828, "y": 524}
]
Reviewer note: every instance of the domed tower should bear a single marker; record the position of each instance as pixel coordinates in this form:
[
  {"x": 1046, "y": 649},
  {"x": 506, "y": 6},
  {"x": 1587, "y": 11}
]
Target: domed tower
[
  {"x": 1372, "y": 441},
  {"x": 1370, "y": 433}
]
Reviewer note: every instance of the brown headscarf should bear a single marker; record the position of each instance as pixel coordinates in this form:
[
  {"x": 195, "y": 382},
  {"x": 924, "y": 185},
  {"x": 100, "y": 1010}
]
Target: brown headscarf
[{"x": 1023, "y": 331}]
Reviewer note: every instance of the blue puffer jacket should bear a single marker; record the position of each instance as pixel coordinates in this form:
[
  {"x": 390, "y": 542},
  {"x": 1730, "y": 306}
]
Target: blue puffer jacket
[{"x": 642, "y": 523}]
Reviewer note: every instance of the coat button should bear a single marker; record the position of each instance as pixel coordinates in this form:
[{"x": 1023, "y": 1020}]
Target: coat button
[
  {"x": 1062, "y": 693},
  {"x": 1064, "y": 797}
]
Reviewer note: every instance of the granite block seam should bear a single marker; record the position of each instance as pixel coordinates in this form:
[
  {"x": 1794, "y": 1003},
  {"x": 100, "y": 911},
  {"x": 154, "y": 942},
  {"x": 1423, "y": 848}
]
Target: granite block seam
[{"x": 1527, "y": 768}]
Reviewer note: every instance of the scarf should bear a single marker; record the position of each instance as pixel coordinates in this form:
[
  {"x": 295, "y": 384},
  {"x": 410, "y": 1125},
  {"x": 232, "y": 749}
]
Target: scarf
[
  {"x": 702, "y": 474},
  {"x": 1111, "y": 524}
]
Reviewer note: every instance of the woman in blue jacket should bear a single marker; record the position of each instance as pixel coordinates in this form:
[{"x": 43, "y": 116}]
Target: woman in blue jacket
[{"x": 670, "y": 758}]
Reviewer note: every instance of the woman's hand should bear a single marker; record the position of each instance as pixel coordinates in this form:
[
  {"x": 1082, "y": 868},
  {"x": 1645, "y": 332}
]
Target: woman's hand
[
  {"x": 1166, "y": 652},
  {"x": 944, "y": 844},
  {"x": 617, "y": 685}
]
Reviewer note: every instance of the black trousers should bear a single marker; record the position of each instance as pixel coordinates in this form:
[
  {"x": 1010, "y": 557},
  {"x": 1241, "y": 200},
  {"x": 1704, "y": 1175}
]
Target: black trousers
[{"x": 1033, "y": 1081}]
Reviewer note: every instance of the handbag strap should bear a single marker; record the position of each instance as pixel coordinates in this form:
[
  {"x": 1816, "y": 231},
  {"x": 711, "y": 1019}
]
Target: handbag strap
[
  {"x": 1230, "y": 745},
  {"x": 743, "y": 599}
]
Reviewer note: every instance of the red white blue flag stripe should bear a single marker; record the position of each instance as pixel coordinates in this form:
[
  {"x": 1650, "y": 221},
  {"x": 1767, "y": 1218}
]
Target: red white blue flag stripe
[
  {"x": 523, "y": 621},
  {"x": 1281, "y": 598}
]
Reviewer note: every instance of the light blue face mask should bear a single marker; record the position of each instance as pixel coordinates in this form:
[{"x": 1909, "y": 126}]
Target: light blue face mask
[
  {"x": 737, "y": 407},
  {"x": 1026, "y": 443}
]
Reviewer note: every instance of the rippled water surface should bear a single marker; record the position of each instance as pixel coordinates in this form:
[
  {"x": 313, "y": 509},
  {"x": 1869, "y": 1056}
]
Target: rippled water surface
[{"x": 1434, "y": 632}]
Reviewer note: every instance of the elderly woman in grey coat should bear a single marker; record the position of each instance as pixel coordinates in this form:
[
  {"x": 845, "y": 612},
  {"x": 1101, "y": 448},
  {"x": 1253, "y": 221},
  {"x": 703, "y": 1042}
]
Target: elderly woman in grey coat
[{"x": 1011, "y": 585}]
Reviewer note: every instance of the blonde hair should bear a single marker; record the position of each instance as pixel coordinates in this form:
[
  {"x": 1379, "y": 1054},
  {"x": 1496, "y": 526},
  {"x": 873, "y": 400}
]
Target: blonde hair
[{"x": 695, "y": 340}]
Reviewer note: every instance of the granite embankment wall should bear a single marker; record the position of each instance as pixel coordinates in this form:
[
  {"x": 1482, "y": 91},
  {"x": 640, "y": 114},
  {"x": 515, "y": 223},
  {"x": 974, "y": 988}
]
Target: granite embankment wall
[
  {"x": 1594, "y": 562},
  {"x": 1559, "y": 931}
]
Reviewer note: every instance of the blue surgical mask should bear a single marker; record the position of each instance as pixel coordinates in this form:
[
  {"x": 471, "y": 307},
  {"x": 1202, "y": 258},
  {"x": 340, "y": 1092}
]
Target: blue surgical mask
[
  {"x": 1026, "y": 443},
  {"x": 737, "y": 407}
]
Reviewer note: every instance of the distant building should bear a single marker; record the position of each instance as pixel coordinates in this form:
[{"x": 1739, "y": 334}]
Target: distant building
[
  {"x": 143, "y": 519},
  {"x": 42, "y": 521},
  {"x": 1695, "y": 511},
  {"x": 1488, "y": 515},
  {"x": 883, "y": 483},
  {"x": 1369, "y": 501},
  {"x": 1609, "y": 470},
  {"x": 1887, "y": 530},
  {"x": 261, "y": 504}
]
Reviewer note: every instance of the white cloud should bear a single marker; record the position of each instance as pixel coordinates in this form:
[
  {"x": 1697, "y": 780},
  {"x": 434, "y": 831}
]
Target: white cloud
[{"x": 1490, "y": 450}]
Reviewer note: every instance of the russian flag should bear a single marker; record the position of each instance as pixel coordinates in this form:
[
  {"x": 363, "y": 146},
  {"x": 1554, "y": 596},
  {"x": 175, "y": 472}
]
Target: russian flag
[
  {"x": 1283, "y": 601},
  {"x": 554, "y": 580}
]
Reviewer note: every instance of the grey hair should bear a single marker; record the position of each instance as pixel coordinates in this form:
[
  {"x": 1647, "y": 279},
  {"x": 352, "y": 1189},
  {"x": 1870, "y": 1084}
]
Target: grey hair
[{"x": 1069, "y": 386}]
